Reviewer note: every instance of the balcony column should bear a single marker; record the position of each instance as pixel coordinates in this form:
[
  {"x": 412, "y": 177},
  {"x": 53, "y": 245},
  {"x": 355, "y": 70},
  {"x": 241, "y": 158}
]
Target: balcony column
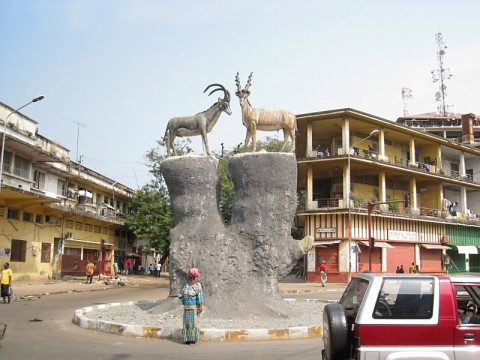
[
  {"x": 309, "y": 149},
  {"x": 309, "y": 196},
  {"x": 345, "y": 134},
  {"x": 412, "y": 152},
  {"x": 382, "y": 188},
  {"x": 413, "y": 193},
  {"x": 381, "y": 145},
  {"x": 439, "y": 158},
  {"x": 463, "y": 200},
  {"x": 462, "y": 164}
]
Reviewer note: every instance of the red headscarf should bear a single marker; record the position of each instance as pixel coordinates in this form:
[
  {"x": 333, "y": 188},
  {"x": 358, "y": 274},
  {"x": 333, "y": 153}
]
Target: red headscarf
[{"x": 194, "y": 272}]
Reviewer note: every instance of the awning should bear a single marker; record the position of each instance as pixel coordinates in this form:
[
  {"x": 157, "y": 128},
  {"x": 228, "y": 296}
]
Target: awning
[
  {"x": 325, "y": 243},
  {"x": 465, "y": 249},
  {"x": 435, "y": 246},
  {"x": 378, "y": 244}
]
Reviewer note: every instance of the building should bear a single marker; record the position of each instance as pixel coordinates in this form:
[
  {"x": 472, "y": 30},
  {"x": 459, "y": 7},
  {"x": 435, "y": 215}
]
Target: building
[
  {"x": 449, "y": 126},
  {"x": 55, "y": 214},
  {"x": 363, "y": 179}
]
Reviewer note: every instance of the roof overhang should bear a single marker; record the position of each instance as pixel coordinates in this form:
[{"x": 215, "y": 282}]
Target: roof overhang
[
  {"x": 435, "y": 246},
  {"x": 378, "y": 244},
  {"x": 465, "y": 249}
]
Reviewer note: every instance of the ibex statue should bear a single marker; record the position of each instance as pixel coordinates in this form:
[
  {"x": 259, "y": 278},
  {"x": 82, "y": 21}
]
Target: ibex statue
[
  {"x": 199, "y": 124},
  {"x": 267, "y": 120}
]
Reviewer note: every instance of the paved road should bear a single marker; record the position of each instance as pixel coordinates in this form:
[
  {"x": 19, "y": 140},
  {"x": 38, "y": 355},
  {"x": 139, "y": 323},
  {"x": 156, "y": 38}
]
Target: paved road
[{"x": 55, "y": 337}]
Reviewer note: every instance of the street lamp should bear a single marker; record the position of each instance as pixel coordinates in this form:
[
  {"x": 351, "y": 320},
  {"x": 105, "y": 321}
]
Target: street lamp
[
  {"x": 38, "y": 98},
  {"x": 372, "y": 133}
]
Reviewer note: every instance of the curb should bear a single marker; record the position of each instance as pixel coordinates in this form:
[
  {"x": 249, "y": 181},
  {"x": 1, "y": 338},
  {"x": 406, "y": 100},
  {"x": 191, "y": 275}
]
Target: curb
[{"x": 155, "y": 332}]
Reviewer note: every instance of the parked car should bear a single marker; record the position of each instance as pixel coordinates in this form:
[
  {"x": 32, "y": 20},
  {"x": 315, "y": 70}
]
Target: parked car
[{"x": 402, "y": 316}]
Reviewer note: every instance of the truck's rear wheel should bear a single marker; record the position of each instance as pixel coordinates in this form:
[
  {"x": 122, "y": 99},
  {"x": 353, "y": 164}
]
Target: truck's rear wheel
[{"x": 335, "y": 332}]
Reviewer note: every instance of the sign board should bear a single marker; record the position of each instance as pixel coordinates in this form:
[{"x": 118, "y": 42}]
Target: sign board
[
  {"x": 402, "y": 235},
  {"x": 326, "y": 230}
]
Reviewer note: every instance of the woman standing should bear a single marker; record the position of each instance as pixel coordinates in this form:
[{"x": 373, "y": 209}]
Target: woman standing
[
  {"x": 6, "y": 282},
  {"x": 191, "y": 298}
]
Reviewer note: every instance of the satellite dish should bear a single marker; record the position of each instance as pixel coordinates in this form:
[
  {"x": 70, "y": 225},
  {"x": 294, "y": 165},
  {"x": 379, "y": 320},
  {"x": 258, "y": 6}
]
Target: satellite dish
[{"x": 306, "y": 244}]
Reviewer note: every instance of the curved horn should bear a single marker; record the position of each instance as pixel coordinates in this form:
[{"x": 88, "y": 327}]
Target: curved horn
[
  {"x": 226, "y": 96},
  {"x": 249, "y": 82}
]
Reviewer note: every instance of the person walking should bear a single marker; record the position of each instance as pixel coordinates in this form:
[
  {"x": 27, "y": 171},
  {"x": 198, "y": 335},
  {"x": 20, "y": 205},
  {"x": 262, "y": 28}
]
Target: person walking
[
  {"x": 6, "y": 283},
  {"x": 323, "y": 273},
  {"x": 411, "y": 269},
  {"x": 89, "y": 270},
  {"x": 191, "y": 298}
]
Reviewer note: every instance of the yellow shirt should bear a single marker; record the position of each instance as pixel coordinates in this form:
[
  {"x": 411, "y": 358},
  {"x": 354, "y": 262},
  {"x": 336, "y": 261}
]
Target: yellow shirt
[{"x": 6, "y": 273}]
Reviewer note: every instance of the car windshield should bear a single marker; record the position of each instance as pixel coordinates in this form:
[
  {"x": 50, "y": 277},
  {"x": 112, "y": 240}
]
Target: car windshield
[{"x": 353, "y": 295}]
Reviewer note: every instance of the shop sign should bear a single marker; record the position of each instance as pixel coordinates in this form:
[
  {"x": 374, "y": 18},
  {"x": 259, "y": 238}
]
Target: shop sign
[{"x": 402, "y": 235}]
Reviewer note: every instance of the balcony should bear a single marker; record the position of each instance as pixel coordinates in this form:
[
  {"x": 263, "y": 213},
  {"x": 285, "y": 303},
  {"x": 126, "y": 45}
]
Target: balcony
[
  {"x": 395, "y": 209},
  {"x": 357, "y": 153}
]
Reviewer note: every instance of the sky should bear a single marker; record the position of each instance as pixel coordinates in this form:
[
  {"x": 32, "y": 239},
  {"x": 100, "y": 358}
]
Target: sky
[{"x": 113, "y": 72}]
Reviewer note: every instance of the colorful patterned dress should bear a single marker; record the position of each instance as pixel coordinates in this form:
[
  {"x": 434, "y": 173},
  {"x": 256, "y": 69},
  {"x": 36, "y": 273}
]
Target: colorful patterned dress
[{"x": 191, "y": 298}]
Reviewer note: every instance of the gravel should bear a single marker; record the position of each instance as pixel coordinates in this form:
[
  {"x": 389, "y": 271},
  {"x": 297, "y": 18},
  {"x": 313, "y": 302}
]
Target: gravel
[{"x": 308, "y": 313}]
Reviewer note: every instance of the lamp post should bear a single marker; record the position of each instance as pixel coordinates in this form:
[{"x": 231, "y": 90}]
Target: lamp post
[
  {"x": 372, "y": 133},
  {"x": 38, "y": 98}
]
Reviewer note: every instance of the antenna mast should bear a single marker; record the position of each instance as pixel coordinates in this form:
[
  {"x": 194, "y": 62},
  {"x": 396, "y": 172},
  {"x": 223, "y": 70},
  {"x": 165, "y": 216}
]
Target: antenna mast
[
  {"x": 441, "y": 74},
  {"x": 406, "y": 95},
  {"x": 78, "y": 135}
]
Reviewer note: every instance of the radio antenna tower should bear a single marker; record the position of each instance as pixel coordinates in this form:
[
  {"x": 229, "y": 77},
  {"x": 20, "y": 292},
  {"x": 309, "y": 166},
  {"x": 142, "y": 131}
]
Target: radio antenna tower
[
  {"x": 441, "y": 74},
  {"x": 406, "y": 95}
]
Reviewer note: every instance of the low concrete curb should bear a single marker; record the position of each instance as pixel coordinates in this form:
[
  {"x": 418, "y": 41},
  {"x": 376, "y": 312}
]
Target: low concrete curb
[{"x": 298, "y": 332}]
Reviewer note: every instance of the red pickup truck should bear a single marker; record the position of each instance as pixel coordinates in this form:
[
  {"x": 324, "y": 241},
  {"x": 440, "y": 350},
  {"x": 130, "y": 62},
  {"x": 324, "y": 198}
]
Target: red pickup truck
[{"x": 393, "y": 317}]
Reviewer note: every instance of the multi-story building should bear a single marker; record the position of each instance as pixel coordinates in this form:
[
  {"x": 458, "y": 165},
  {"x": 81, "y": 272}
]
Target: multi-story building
[
  {"x": 367, "y": 181},
  {"x": 449, "y": 126},
  {"x": 55, "y": 214}
]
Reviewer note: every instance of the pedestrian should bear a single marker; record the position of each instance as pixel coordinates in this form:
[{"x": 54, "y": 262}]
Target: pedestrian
[
  {"x": 151, "y": 268},
  {"x": 417, "y": 269},
  {"x": 125, "y": 266},
  {"x": 323, "y": 273},
  {"x": 397, "y": 271},
  {"x": 89, "y": 269},
  {"x": 411, "y": 269},
  {"x": 115, "y": 268},
  {"x": 158, "y": 269},
  {"x": 401, "y": 269},
  {"x": 6, "y": 283},
  {"x": 191, "y": 298}
]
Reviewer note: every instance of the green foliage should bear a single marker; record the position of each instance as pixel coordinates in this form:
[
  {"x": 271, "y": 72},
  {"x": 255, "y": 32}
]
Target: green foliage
[
  {"x": 151, "y": 217},
  {"x": 227, "y": 191}
]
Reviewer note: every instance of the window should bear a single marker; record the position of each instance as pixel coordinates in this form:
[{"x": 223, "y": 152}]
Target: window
[
  {"x": 46, "y": 250},
  {"x": 38, "y": 219},
  {"x": 13, "y": 214},
  {"x": 38, "y": 179},
  {"x": 61, "y": 188},
  {"x": 7, "y": 162},
  {"x": 21, "y": 167},
  {"x": 27, "y": 216},
  {"x": 19, "y": 250},
  {"x": 405, "y": 298}
]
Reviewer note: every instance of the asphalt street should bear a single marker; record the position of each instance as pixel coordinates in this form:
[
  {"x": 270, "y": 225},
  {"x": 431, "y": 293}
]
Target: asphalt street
[{"x": 39, "y": 326}]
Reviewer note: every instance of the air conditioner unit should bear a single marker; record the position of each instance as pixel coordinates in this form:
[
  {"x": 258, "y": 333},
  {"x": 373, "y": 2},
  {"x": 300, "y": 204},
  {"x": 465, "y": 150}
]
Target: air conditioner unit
[{"x": 445, "y": 239}]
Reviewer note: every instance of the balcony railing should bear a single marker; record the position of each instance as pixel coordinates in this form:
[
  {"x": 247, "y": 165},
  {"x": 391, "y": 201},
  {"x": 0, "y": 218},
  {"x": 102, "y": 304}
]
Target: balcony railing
[
  {"x": 397, "y": 209},
  {"x": 397, "y": 161}
]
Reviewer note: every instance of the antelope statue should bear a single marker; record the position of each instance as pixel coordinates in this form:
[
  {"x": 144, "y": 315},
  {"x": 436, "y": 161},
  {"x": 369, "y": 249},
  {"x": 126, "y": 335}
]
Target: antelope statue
[
  {"x": 267, "y": 120},
  {"x": 199, "y": 124}
]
